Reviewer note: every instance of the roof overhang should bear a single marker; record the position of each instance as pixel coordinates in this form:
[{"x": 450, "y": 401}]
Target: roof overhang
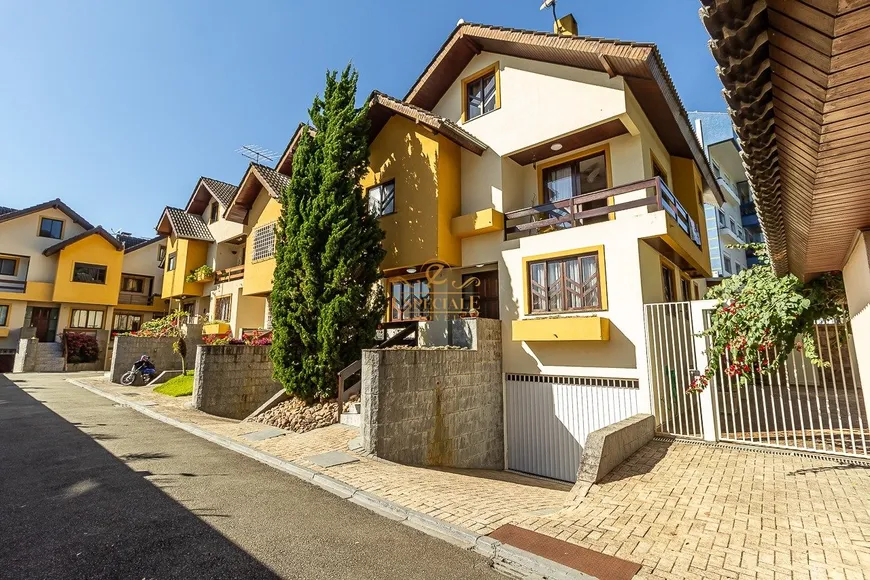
[
  {"x": 285, "y": 164},
  {"x": 164, "y": 225},
  {"x": 97, "y": 231},
  {"x": 382, "y": 107},
  {"x": 53, "y": 204},
  {"x": 571, "y": 141},
  {"x": 726, "y": 154},
  {"x": 200, "y": 198},
  {"x": 795, "y": 79},
  {"x": 640, "y": 64},
  {"x": 249, "y": 189}
]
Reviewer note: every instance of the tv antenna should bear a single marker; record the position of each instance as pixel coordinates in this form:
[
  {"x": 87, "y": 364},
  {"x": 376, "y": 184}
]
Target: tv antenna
[
  {"x": 552, "y": 4},
  {"x": 257, "y": 154}
]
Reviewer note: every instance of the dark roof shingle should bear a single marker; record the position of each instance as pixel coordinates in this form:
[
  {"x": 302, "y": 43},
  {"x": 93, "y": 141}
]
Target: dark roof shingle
[
  {"x": 5, "y": 210},
  {"x": 99, "y": 231},
  {"x": 187, "y": 225},
  {"x": 274, "y": 181},
  {"x": 222, "y": 191}
]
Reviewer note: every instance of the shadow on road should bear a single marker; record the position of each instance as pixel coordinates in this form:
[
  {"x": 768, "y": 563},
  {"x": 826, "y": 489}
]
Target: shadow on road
[{"x": 71, "y": 509}]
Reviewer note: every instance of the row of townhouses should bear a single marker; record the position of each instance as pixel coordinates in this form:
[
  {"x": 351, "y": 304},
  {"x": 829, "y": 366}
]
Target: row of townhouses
[{"x": 561, "y": 172}]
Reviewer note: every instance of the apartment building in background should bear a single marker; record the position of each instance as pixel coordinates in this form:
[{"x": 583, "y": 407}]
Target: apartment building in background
[
  {"x": 59, "y": 272},
  {"x": 735, "y": 221}
]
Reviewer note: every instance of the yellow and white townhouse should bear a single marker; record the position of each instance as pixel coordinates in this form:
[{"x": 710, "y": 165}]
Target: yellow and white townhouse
[{"x": 58, "y": 272}]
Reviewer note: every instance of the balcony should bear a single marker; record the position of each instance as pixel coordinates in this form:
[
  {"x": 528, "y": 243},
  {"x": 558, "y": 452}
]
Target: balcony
[
  {"x": 569, "y": 213},
  {"x": 229, "y": 274},
  {"x": 134, "y": 298},
  {"x": 13, "y": 286},
  {"x": 736, "y": 232}
]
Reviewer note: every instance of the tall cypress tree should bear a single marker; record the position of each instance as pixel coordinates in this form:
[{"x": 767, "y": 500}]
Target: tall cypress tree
[{"x": 325, "y": 307}]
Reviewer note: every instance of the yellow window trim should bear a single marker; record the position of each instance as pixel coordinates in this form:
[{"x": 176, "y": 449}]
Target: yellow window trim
[
  {"x": 62, "y": 226},
  {"x": 602, "y": 275},
  {"x": 8, "y": 314},
  {"x": 15, "y": 259},
  {"x": 573, "y": 156},
  {"x": 493, "y": 68}
]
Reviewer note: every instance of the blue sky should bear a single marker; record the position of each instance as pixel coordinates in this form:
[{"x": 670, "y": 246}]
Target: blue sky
[{"x": 117, "y": 107}]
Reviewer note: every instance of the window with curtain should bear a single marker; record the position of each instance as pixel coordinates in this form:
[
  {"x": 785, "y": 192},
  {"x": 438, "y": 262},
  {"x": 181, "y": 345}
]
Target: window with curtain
[
  {"x": 86, "y": 319},
  {"x": 573, "y": 178},
  {"x": 480, "y": 96},
  {"x": 382, "y": 198},
  {"x": 127, "y": 322},
  {"x": 223, "y": 307},
  {"x": 565, "y": 284},
  {"x": 410, "y": 299}
]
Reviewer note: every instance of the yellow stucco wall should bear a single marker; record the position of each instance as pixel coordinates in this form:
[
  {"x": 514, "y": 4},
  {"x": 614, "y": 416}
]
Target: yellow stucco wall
[
  {"x": 258, "y": 275},
  {"x": 190, "y": 254},
  {"x": 426, "y": 169},
  {"x": 90, "y": 250},
  {"x": 449, "y": 195}
]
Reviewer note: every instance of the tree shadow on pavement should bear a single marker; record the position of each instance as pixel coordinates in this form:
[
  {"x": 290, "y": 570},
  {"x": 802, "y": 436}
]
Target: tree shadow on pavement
[{"x": 71, "y": 509}]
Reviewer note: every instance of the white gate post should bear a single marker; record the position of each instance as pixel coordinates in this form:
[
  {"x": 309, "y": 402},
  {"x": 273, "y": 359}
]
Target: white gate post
[{"x": 709, "y": 411}]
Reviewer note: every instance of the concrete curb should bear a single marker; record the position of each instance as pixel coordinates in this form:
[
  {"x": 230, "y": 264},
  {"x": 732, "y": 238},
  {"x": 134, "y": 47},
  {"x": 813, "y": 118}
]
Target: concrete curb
[{"x": 505, "y": 559}]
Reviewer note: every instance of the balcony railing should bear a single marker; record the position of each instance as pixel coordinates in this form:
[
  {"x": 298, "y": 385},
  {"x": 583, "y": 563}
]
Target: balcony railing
[
  {"x": 569, "y": 213},
  {"x": 229, "y": 274},
  {"x": 16, "y": 286},
  {"x": 131, "y": 298}
]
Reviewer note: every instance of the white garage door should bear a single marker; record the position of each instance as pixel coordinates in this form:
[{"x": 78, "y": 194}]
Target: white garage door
[{"x": 548, "y": 418}]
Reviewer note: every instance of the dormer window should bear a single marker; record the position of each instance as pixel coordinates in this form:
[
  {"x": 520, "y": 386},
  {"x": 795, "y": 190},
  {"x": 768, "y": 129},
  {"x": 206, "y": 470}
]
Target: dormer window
[
  {"x": 213, "y": 217},
  {"x": 481, "y": 93}
]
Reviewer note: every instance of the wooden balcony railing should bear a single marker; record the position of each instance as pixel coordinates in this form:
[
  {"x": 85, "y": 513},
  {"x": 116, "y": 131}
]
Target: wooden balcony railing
[
  {"x": 132, "y": 298},
  {"x": 569, "y": 213},
  {"x": 16, "y": 286},
  {"x": 229, "y": 274}
]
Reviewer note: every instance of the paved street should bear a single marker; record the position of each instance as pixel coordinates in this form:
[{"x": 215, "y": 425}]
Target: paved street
[{"x": 91, "y": 489}]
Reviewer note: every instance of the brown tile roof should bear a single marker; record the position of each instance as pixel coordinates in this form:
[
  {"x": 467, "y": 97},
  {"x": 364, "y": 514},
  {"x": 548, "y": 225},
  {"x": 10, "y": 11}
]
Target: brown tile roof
[
  {"x": 222, "y": 191},
  {"x": 275, "y": 182},
  {"x": 53, "y": 204},
  {"x": 5, "y": 210},
  {"x": 184, "y": 225},
  {"x": 130, "y": 246},
  {"x": 99, "y": 231},
  {"x": 639, "y": 63},
  {"x": 382, "y": 106}
]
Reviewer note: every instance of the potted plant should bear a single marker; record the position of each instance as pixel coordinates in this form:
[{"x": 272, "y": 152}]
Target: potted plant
[{"x": 201, "y": 274}]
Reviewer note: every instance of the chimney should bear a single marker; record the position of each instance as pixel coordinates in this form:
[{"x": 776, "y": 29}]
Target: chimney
[{"x": 566, "y": 26}]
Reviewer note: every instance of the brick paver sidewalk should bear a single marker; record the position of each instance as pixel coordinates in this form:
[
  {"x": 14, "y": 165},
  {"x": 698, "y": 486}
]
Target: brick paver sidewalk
[{"x": 682, "y": 510}]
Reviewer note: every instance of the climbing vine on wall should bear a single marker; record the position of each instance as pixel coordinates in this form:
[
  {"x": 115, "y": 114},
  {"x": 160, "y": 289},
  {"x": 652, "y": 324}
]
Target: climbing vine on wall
[{"x": 760, "y": 318}]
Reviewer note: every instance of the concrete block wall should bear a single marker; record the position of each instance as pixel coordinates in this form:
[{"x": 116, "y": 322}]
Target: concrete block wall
[
  {"x": 128, "y": 349},
  {"x": 38, "y": 357},
  {"x": 608, "y": 447},
  {"x": 232, "y": 380},
  {"x": 436, "y": 407}
]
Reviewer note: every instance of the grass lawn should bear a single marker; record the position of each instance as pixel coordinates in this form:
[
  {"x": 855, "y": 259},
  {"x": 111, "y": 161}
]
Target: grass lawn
[{"x": 179, "y": 386}]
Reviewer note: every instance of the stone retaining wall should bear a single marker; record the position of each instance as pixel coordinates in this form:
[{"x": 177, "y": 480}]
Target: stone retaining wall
[
  {"x": 38, "y": 357},
  {"x": 128, "y": 349},
  {"x": 232, "y": 380},
  {"x": 437, "y": 407}
]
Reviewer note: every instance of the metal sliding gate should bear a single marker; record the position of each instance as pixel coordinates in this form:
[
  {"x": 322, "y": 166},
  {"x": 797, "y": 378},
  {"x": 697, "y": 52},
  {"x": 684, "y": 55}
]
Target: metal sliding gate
[{"x": 799, "y": 406}]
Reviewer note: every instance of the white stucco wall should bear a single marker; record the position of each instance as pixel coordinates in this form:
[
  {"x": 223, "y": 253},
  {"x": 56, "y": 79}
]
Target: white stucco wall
[
  {"x": 539, "y": 101},
  {"x": 19, "y": 237},
  {"x": 144, "y": 262}
]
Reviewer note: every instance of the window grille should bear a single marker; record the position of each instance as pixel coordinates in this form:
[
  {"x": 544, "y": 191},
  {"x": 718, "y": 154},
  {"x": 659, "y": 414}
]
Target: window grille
[{"x": 264, "y": 242}]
